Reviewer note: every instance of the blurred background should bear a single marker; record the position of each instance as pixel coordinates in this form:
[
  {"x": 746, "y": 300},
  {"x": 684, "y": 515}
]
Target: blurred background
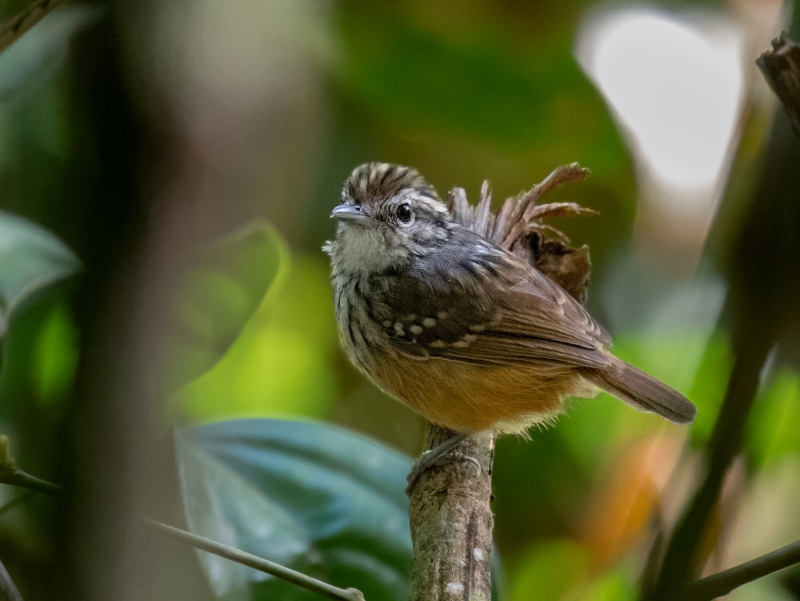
[{"x": 142, "y": 135}]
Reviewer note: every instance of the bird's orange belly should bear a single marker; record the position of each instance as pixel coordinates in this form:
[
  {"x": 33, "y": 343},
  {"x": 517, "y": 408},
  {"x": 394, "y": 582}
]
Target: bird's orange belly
[{"x": 467, "y": 398}]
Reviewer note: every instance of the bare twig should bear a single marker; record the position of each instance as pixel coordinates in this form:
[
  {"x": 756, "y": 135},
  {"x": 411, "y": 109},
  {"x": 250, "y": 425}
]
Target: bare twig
[
  {"x": 724, "y": 582},
  {"x": 9, "y": 474},
  {"x": 257, "y": 563}
]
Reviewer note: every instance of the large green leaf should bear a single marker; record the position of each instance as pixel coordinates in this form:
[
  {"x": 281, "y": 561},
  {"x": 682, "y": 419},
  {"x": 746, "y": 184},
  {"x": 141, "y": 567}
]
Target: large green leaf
[
  {"x": 218, "y": 291},
  {"x": 312, "y": 497},
  {"x": 282, "y": 363},
  {"x": 31, "y": 258}
]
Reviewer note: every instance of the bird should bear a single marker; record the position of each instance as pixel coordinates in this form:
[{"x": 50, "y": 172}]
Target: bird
[{"x": 459, "y": 329}]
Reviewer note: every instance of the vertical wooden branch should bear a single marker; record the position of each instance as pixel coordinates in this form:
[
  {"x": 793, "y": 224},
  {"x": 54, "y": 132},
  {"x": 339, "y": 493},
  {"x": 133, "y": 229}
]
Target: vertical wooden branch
[
  {"x": 452, "y": 523},
  {"x": 451, "y": 517}
]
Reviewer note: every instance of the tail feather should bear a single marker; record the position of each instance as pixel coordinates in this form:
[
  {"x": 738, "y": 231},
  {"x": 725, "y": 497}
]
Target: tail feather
[{"x": 643, "y": 392}]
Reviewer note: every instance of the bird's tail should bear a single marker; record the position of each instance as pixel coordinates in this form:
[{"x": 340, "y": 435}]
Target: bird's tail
[{"x": 643, "y": 392}]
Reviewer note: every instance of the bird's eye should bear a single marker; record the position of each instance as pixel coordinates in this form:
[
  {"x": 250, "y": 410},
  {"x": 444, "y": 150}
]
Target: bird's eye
[{"x": 404, "y": 213}]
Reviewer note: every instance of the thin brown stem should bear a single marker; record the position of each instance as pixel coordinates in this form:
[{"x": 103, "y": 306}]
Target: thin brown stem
[
  {"x": 724, "y": 582},
  {"x": 257, "y": 563}
]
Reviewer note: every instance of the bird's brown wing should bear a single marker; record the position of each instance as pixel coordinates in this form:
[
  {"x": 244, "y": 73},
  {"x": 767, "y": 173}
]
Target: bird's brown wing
[{"x": 491, "y": 310}]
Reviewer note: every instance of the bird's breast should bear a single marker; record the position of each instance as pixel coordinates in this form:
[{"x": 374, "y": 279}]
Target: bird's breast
[{"x": 361, "y": 337}]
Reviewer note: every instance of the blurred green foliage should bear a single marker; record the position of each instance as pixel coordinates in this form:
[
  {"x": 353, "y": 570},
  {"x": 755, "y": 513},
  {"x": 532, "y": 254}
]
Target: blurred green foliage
[
  {"x": 772, "y": 433},
  {"x": 424, "y": 76},
  {"x": 42, "y": 48},
  {"x": 463, "y": 91},
  {"x": 615, "y": 585},
  {"x": 217, "y": 293},
  {"x": 281, "y": 363},
  {"x": 552, "y": 570},
  {"x": 30, "y": 259},
  {"x": 55, "y": 356}
]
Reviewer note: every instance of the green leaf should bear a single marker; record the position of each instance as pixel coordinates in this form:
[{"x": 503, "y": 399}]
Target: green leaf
[
  {"x": 43, "y": 46},
  {"x": 282, "y": 363},
  {"x": 308, "y": 496},
  {"x": 218, "y": 292},
  {"x": 31, "y": 258}
]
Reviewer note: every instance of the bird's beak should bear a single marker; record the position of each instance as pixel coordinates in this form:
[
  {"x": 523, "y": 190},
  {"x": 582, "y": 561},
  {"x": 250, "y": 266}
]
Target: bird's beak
[{"x": 350, "y": 213}]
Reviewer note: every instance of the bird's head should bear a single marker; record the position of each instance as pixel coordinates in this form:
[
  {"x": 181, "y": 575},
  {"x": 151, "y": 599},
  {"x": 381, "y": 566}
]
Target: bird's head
[{"x": 388, "y": 215}]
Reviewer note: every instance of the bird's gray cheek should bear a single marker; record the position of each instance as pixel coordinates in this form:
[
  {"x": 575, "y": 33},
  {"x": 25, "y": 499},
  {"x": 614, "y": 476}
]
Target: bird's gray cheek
[{"x": 422, "y": 238}]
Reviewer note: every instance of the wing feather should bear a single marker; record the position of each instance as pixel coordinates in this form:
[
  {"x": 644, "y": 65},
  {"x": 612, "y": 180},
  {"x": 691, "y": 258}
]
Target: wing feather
[{"x": 491, "y": 309}]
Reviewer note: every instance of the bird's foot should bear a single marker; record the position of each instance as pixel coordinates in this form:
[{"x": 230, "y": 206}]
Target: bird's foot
[{"x": 437, "y": 456}]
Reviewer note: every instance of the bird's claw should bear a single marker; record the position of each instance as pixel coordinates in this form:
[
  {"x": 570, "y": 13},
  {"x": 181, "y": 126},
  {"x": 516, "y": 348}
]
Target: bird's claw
[{"x": 435, "y": 457}]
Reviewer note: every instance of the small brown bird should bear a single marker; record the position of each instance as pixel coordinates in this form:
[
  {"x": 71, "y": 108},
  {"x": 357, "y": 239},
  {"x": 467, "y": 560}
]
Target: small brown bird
[{"x": 458, "y": 328}]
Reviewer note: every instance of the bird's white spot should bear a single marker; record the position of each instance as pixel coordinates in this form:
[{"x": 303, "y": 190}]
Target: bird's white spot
[
  {"x": 438, "y": 344},
  {"x": 470, "y": 337},
  {"x": 415, "y": 329},
  {"x": 387, "y": 323},
  {"x": 398, "y": 327},
  {"x": 477, "y": 554},
  {"x": 461, "y": 344},
  {"x": 477, "y": 327},
  {"x": 429, "y": 322},
  {"x": 442, "y": 315},
  {"x": 454, "y": 588},
  {"x": 411, "y": 317}
]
